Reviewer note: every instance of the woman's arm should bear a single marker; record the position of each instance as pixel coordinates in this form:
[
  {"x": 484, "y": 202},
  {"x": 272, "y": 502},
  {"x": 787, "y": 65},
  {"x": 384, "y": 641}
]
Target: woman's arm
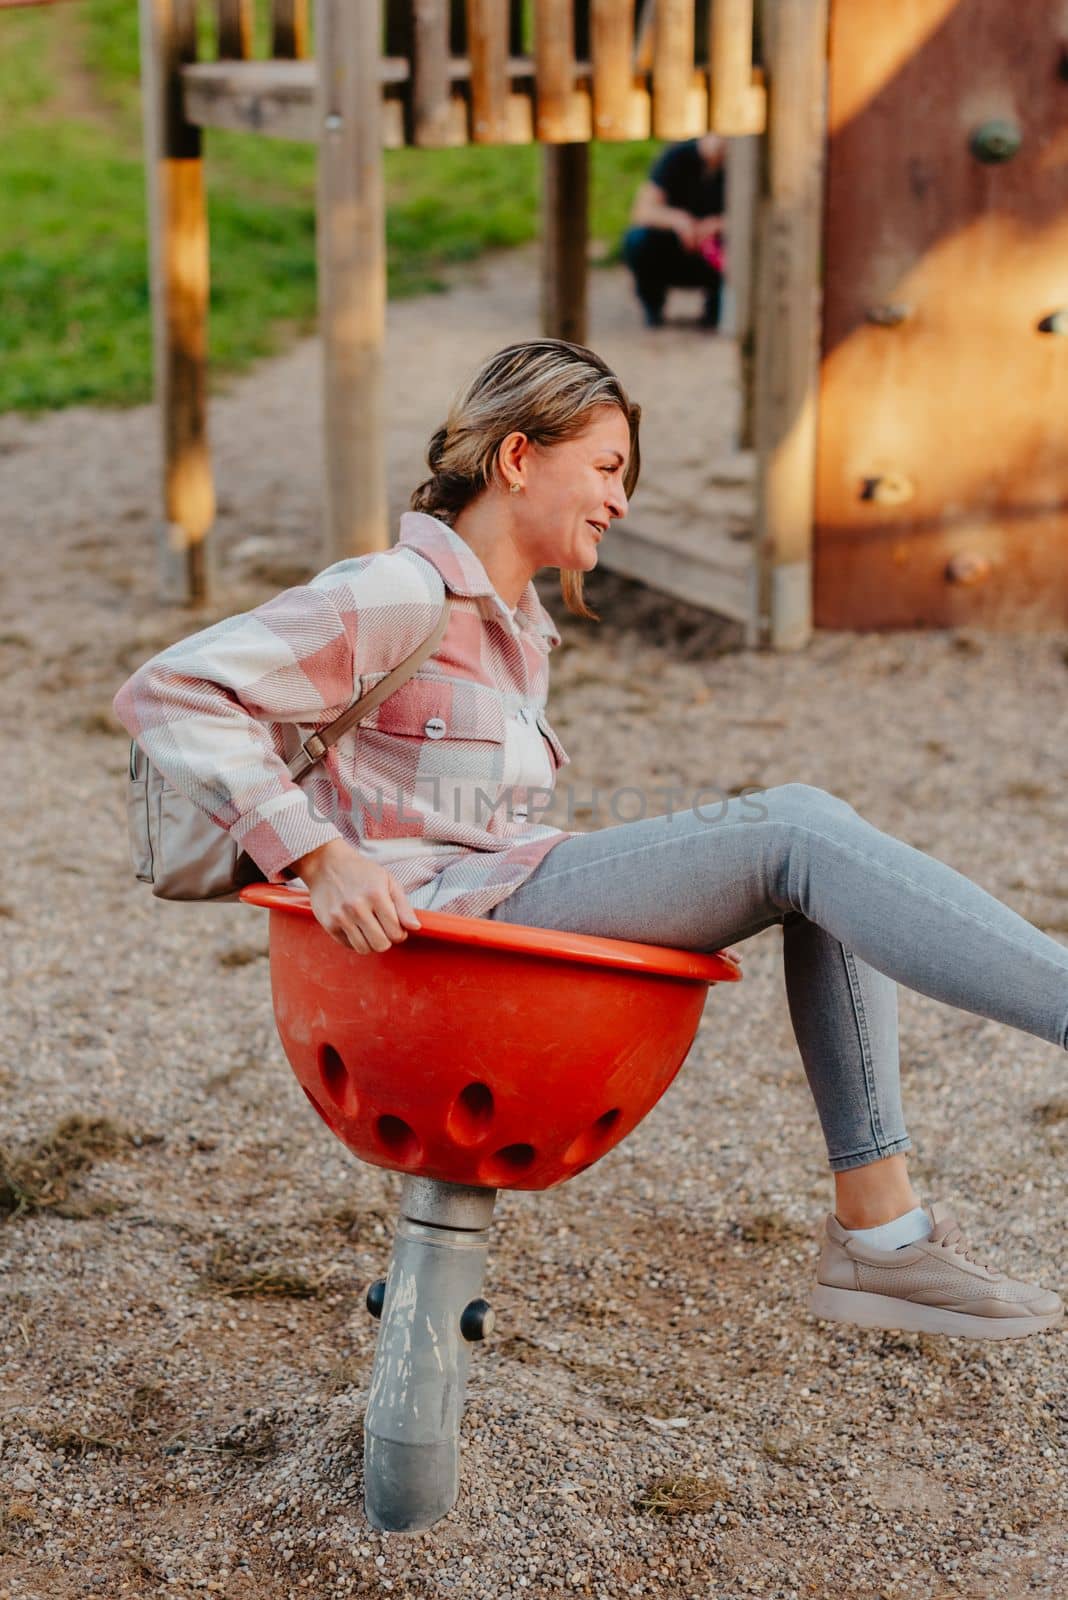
[
  {"x": 197, "y": 709},
  {"x": 651, "y": 210}
]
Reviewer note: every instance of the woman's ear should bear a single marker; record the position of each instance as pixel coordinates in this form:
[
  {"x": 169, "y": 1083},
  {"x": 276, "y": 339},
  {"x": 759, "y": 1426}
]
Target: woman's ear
[{"x": 512, "y": 458}]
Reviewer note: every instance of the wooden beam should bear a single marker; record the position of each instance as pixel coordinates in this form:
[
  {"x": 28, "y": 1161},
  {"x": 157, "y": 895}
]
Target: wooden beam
[
  {"x": 275, "y": 98},
  {"x": 352, "y": 274},
  {"x": 178, "y": 275},
  {"x": 738, "y": 99},
  {"x": 565, "y": 241},
  {"x": 787, "y": 321}
]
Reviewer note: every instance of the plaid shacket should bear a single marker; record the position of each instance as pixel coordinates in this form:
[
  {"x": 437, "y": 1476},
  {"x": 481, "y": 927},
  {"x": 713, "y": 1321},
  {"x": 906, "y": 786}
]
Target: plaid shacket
[{"x": 221, "y": 712}]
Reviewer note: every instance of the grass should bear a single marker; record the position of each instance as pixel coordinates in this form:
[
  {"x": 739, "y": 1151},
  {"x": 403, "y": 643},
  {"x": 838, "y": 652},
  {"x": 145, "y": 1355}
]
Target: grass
[
  {"x": 74, "y": 308},
  {"x": 43, "y": 1176},
  {"x": 677, "y": 1495},
  {"x": 229, "y": 1273},
  {"x": 1051, "y": 1114}
]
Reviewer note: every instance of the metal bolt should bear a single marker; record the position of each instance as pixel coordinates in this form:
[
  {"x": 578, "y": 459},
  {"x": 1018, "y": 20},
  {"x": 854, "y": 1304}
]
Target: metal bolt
[
  {"x": 967, "y": 567},
  {"x": 995, "y": 141},
  {"x": 477, "y": 1320},
  {"x": 333, "y": 122},
  {"x": 887, "y": 316},
  {"x": 887, "y": 489},
  {"x": 376, "y": 1297}
]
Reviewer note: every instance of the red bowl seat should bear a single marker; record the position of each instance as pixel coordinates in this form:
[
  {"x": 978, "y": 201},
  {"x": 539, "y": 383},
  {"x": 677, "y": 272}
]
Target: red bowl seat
[{"x": 482, "y": 1052}]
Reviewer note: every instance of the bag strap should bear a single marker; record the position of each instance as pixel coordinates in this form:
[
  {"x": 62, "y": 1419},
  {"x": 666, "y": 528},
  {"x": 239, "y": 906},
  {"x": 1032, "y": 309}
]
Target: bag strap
[{"x": 317, "y": 744}]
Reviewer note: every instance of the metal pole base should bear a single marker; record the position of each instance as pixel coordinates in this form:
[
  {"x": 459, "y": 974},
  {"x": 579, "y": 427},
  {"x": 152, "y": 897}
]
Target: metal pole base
[{"x": 431, "y": 1312}]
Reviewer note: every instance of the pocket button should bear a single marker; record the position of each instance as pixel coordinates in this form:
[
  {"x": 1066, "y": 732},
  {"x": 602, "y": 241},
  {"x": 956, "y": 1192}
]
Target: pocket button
[{"x": 435, "y": 728}]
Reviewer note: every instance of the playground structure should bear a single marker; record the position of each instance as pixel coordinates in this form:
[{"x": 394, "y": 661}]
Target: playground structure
[
  {"x": 433, "y": 73},
  {"x": 889, "y": 490},
  {"x": 478, "y": 1055}
]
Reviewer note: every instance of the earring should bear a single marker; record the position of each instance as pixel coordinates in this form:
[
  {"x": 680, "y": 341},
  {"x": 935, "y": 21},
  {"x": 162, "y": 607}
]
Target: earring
[{"x": 514, "y": 488}]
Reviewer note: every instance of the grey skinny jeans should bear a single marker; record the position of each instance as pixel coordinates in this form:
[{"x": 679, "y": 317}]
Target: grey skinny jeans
[{"x": 861, "y": 912}]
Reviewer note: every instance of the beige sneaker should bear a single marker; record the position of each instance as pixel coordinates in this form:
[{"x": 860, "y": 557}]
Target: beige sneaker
[{"x": 934, "y": 1286}]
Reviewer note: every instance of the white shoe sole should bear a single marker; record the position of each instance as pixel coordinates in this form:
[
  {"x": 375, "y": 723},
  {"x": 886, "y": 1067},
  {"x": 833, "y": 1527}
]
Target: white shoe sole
[{"x": 906, "y": 1316}]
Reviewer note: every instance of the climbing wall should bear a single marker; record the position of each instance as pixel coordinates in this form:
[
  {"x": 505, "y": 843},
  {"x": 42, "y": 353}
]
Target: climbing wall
[{"x": 942, "y": 478}]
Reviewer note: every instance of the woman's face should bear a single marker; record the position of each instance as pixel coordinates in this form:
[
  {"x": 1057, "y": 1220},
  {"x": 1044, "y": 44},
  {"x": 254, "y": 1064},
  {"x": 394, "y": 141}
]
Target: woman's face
[{"x": 571, "y": 491}]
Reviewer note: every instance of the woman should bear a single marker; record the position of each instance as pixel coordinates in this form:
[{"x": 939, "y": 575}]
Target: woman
[{"x": 536, "y": 460}]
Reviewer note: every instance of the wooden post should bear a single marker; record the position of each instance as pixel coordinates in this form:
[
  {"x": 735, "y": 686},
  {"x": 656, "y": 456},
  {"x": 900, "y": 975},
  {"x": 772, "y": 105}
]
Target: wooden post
[
  {"x": 620, "y": 109},
  {"x": 352, "y": 274},
  {"x": 497, "y": 115},
  {"x": 565, "y": 239},
  {"x": 736, "y": 319},
  {"x": 437, "y": 116},
  {"x": 178, "y": 270},
  {"x": 788, "y": 318},
  {"x": 564, "y": 118},
  {"x": 289, "y": 30},
  {"x": 680, "y": 104},
  {"x": 234, "y": 29},
  {"x": 564, "y": 114},
  {"x": 738, "y": 99}
]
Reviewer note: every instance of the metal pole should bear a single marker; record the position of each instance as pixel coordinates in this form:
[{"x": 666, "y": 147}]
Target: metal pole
[{"x": 431, "y": 1313}]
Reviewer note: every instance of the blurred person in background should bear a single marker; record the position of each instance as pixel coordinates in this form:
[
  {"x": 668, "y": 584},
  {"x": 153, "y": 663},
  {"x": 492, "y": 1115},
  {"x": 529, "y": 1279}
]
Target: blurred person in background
[{"x": 676, "y": 233}]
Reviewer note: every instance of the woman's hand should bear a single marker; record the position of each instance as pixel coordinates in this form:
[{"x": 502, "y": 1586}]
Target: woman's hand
[
  {"x": 358, "y": 902},
  {"x": 733, "y": 951}
]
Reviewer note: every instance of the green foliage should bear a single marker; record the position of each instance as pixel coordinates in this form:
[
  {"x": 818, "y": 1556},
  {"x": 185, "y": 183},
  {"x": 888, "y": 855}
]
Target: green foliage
[{"x": 74, "y": 312}]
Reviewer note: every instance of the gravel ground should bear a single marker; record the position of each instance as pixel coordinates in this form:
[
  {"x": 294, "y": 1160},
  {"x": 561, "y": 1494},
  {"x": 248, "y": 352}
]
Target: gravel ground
[{"x": 185, "y": 1350}]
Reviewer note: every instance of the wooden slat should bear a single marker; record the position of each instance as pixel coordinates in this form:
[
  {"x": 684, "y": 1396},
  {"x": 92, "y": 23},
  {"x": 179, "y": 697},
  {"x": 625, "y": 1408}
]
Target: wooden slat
[
  {"x": 497, "y": 115},
  {"x": 352, "y": 274},
  {"x": 787, "y": 318},
  {"x": 680, "y": 95},
  {"x": 178, "y": 272},
  {"x": 564, "y": 114},
  {"x": 289, "y": 29},
  {"x": 620, "y": 110},
  {"x": 437, "y": 116},
  {"x": 565, "y": 240},
  {"x": 275, "y": 98},
  {"x": 234, "y": 21},
  {"x": 739, "y": 103},
  {"x": 644, "y": 35}
]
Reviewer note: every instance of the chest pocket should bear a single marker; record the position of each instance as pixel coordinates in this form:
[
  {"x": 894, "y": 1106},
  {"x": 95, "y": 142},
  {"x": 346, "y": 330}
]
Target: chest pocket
[{"x": 440, "y": 711}]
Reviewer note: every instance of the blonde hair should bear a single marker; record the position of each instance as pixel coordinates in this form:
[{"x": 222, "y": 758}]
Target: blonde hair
[{"x": 545, "y": 388}]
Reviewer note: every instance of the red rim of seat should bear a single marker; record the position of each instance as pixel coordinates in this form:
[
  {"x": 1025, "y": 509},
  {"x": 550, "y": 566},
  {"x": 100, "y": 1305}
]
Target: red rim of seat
[{"x": 657, "y": 960}]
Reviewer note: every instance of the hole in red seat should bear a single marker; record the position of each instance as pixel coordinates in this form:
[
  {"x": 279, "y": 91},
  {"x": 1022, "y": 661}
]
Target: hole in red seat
[
  {"x": 507, "y": 1163},
  {"x": 334, "y": 1074},
  {"x": 399, "y": 1138},
  {"x": 471, "y": 1114},
  {"x": 592, "y": 1141}
]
